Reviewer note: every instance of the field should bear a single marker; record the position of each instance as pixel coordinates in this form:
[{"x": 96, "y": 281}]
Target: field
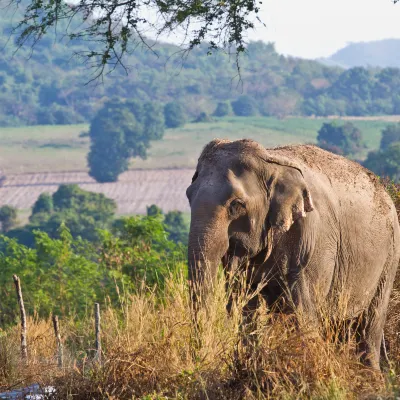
[
  {"x": 38, "y": 159},
  {"x": 134, "y": 191},
  {"x": 59, "y": 148}
]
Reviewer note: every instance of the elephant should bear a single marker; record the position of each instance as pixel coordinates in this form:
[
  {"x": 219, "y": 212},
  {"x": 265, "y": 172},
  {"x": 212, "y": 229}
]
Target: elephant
[{"x": 318, "y": 224}]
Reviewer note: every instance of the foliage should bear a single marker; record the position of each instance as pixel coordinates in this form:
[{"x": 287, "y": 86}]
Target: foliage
[
  {"x": 244, "y": 106},
  {"x": 174, "y": 224},
  {"x": 176, "y": 227},
  {"x": 82, "y": 212},
  {"x": 66, "y": 275},
  {"x": 153, "y": 210},
  {"x": 385, "y": 163},
  {"x": 390, "y": 134},
  {"x": 50, "y": 88},
  {"x": 119, "y": 131},
  {"x": 44, "y": 204},
  {"x": 174, "y": 115},
  {"x": 215, "y": 23},
  {"x": 203, "y": 117},
  {"x": 8, "y": 217},
  {"x": 139, "y": 248},
  {"x": 345, "y": 139},
  {"x": 223, "y": 109}
]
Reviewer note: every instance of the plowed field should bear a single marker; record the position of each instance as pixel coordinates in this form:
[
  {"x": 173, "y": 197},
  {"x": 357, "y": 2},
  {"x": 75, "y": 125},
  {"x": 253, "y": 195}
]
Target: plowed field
[{"x": 133, "y": 192}]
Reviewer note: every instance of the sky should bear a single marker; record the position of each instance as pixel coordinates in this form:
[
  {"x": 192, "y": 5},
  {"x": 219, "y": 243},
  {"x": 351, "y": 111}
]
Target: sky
[{"x": 318, "y": 28}]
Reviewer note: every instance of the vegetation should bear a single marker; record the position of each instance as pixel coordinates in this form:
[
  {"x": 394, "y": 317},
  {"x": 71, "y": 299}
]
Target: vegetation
[
  {"x": 8, "y": 217},
  {"x": 51, "y": 89},
  {"x": 119, "y": 131},
  {"x": 83, "y": 213},
  {"x": 174, "y": 115},
  {"x": 223, "y": 109},
  {"x": 119, "y": 28},
  {"x": 244, "y": 106},
  {"x": 344, "y": 139}
]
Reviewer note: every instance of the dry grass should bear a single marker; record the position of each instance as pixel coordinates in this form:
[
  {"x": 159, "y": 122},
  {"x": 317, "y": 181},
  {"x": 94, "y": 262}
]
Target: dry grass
[{"x": 154, "y": 350}]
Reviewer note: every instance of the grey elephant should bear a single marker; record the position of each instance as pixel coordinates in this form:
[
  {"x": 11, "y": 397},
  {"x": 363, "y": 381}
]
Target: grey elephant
[{"x": 315, "y": 223}]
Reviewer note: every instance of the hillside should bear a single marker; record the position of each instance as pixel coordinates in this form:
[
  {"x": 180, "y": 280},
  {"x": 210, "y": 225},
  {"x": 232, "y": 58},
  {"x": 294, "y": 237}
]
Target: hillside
[
  {"x": 49, "y": 86},
  {"x": 379, "y": 53}
]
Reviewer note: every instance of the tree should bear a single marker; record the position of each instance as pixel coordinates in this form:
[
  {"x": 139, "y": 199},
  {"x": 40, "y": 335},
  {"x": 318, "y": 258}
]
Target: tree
[
  {"x": 390, "y": 134},
  {"x": 118, "y": 27},
  {"x": 223, "y": 108},
  {"x": 8, "y": 217},
  {"x": 345, "y": 139},
  {"x": 44, "y": 204},
  {"x": 119, "y": 131},
  {"x": 244, "y": 106},
  {"x": 153, "y": 210},
  {"x": 385, "y": 163},
  {"x": 174, "y": 115}
]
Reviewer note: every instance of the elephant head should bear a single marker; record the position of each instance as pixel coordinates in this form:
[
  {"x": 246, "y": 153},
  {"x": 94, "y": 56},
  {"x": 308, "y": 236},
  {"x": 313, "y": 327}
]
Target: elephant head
[{"x": 243, "y": 198}]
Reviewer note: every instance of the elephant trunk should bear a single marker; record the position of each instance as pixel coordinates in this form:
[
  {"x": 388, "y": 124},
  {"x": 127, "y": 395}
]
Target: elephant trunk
[{"x": 208, "y": 243}]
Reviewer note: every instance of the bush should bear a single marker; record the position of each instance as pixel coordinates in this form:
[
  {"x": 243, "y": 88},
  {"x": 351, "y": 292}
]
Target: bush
[
  {"x": 203, "y": 117},
  {"x": 8, "y": 217},
  {"x": 174, "y": 115},
  {"x": 244, "y": 106},
  {"x": 385, "y": 163},
  {"x": 390, "y": 134},
  {"x": 223, "y": 109},
  {"x": 344, "y": 139}
]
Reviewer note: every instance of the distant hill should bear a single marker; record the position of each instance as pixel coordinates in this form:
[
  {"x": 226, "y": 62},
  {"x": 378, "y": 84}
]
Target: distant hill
[{"x": 380, "y": 53}]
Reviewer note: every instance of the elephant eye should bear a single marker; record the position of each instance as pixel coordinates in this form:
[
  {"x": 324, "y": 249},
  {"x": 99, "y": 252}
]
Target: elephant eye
[{"x": 237, "y": 208}]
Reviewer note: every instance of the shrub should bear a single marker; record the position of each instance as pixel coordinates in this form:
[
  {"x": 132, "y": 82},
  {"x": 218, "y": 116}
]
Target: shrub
[
  {"x": 345, "y": 139},
  {"x": 174, "y": 115},
  {"x": 223, "y": 109},
  {"x": 8, "y": 217},
  {"x": 390, "y": 134},
  {"x": 244, "y": 106}
]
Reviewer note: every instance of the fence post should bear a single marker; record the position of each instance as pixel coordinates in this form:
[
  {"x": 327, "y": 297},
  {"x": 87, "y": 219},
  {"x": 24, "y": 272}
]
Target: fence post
[
  {"x": 98, "y": 331},
  {"x": 24, "y": 349},
  {"x": 60, "y": 350}
]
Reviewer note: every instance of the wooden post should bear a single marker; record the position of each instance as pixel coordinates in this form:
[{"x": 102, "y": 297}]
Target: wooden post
[
  {"x": 60, "y": 350},
  {"x": 98, "y": 331},
  {"x": 24, "y": 349}
]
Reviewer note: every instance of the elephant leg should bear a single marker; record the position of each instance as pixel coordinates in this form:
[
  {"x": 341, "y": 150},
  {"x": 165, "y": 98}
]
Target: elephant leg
[{"x": 373, "y": 320}]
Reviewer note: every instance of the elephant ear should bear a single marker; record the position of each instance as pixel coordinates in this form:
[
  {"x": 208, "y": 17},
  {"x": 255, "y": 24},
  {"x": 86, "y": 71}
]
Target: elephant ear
[{"x": 290, "y": 198}]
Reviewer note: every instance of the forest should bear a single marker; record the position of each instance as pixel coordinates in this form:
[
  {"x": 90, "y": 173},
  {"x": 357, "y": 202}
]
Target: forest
[{"x": 56, "y": 87}]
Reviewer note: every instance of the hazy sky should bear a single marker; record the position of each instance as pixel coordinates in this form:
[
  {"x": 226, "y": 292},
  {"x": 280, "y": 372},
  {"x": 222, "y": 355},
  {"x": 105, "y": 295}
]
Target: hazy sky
[{"x": 317, "y": 28}]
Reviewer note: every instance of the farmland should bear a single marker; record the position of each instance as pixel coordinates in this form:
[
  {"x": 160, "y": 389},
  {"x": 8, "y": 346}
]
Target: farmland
[{"x": 38, "y": 159}]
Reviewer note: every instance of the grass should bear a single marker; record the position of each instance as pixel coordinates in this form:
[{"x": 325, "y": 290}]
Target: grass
[
  {"x": 152, "y": 349},
  {"x": 59, "y": 148}
]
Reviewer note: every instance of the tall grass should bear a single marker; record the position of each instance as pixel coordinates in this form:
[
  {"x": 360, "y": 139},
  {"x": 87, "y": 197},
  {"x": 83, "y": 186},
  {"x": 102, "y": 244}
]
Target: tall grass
[{"x": 153, "y": 349}]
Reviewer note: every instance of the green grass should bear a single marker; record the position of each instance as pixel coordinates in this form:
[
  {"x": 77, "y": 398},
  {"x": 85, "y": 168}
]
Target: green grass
[{"x": 59, "y": 148}]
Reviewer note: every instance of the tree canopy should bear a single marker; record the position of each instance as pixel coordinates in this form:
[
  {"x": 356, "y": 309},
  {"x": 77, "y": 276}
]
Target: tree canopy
[{"x": 119, "y": 131}]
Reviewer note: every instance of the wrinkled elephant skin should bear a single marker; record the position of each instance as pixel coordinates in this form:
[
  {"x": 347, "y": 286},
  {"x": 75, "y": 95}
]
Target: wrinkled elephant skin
[{"x": 314, "y": 222}]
